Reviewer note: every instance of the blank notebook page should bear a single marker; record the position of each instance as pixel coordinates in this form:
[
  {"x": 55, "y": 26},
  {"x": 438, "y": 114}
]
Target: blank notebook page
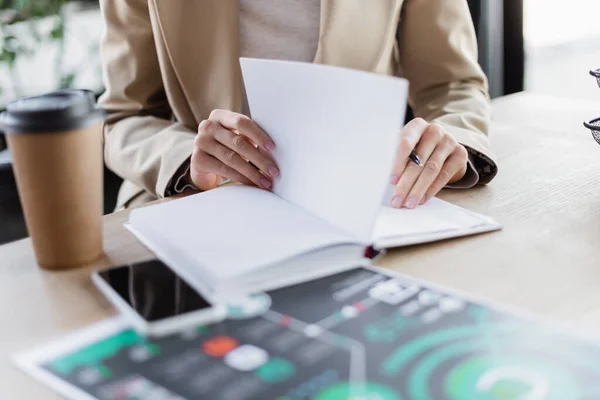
[
  {"x": 433, "y": 217},
  {"x": 336, "y": 132},
  {"x": 231, "y": 231}
]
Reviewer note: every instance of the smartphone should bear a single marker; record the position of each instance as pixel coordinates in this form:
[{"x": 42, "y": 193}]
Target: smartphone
[{"x": 155, "y": 300}]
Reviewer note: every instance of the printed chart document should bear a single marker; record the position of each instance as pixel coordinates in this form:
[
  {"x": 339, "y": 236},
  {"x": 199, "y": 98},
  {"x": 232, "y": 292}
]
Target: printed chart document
[
  {"x": 364, "y": 333},
  {"x": 336, "y": 132}
]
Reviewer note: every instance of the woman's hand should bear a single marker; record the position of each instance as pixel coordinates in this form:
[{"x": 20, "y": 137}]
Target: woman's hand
[
  {"x": 226, "y": 145},
  {"x": 443, "y": 161}
]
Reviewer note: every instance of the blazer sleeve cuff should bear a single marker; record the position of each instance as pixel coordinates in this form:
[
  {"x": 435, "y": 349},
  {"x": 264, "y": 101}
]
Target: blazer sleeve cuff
[
  {"x": 172, "y": 162},
  {"x": 179, "y": 183}
]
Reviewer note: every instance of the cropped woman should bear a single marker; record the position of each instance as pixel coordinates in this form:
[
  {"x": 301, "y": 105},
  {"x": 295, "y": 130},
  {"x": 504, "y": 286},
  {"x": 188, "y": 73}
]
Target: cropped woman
[{"x": 178, "y": 117}]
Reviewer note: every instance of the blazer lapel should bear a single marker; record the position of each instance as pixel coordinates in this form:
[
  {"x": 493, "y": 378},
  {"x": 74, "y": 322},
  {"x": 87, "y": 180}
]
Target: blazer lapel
[
  {"x": 201, "y": 39},
  {"x": 353, "y": 33}
]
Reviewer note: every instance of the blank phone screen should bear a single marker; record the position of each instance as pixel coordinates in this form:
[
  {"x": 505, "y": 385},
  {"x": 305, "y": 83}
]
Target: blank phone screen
[{"x": 153, "y": 290}]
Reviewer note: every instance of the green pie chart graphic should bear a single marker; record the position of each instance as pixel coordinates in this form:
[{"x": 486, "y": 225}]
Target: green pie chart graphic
[
  {"x": 358, "y": 391},
  {"x": 501, "y": 362},
  {"x": 506, "y": 378}
]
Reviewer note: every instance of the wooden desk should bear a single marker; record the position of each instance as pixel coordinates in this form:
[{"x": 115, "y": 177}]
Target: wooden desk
[{"x": 545, "y": 261}]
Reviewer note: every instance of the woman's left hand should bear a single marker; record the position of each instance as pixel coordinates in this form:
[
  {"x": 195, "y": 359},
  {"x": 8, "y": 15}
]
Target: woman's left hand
[{"x": 443, "y": 161}]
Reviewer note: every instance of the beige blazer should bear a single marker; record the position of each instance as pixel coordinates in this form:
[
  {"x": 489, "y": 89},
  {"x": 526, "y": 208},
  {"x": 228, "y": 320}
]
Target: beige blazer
[{"x": 167, "y": 64}]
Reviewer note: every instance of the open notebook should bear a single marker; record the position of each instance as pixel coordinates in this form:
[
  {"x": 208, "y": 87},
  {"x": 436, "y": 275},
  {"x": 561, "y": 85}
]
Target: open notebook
[{"x": 336, "y": 132}]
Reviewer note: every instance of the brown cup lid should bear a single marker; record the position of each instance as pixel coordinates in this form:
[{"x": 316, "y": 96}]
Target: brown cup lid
[{"x": 59, "y": 111}]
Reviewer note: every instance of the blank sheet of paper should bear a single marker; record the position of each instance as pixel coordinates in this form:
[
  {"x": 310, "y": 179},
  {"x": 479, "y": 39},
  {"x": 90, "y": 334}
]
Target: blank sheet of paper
[{"x": 336, "y": 132}]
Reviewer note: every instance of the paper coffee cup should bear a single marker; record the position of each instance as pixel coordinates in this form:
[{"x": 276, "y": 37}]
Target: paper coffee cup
[{"x": 56, "y": 144}]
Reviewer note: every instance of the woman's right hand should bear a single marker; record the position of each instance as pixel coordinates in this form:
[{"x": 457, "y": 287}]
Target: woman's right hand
[{"x": 226, "y": 145}]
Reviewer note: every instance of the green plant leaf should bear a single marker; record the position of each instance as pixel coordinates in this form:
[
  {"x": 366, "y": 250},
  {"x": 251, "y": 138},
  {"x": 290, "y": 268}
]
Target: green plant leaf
[
  {"x": 66, "y": 81},
  {"x": 58, "y": 31},
  {"x": 9, "y": 57},
  {"x": 10, "y": 42}
]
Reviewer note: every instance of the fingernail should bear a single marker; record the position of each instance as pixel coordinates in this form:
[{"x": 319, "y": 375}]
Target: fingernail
[
  {"x": 411, "y": 202},
  {"x": 270, "y": 146},
  {"x": 394, "y": 180},
  {"x": 265, "y": 183},
  {"x": 423, "y": 199},
  {"x": 273, "y": 171},
  {"x": 397, "y": 202}
]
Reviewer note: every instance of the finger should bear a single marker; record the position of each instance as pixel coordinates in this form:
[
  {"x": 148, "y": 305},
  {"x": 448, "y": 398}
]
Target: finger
[
  {"x": 463, "y": 154},
  {"x": 209, "y": 130},
  {"x": 246, "y": 150},
  {"x": 410, "y": 136},
  {"x": 434, "y": 166},
  {"x": 453, "y": 164},
  {"x": 425, "y": 148},
  {"x": 206, "y": 141},
  {"x": 210, "y": 164},
  {"x": 243, "y": 125},
  {"x": 232, "y": 159}
]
